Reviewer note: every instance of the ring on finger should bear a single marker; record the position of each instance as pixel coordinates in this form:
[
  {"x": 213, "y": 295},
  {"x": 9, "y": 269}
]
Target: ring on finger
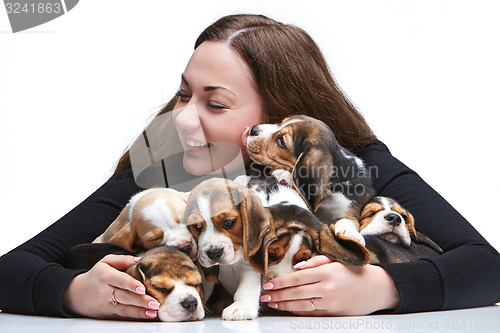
[{"x": 113, "y": 299}]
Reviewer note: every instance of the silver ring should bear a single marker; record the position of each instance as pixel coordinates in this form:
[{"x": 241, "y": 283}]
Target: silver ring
[
  {"x": 113, "y": 299},
  {"x": 312, "y": 303}
]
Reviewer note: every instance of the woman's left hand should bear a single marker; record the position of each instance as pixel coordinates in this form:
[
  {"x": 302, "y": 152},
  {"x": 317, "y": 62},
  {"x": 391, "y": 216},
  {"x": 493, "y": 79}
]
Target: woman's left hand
[{"x": 323, "y": 287}]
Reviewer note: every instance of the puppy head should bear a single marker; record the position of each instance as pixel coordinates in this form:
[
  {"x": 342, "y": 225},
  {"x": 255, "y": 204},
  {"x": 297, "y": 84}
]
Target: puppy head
[
  {"x": 385, "y": 218},
  {"x": 227, "y": 220},
  {"x": 301, "y": 145},
  {"x": 299, "y": 235},
  {"x": 152, "y": 218},
  {"x": 174, "y": 280}
]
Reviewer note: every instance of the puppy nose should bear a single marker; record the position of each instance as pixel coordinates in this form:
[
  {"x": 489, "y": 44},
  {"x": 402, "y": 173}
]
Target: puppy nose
[
  {"x": 215, "y": 254},
  {"x": 190, "y": 304},
  {"x": 255, "y": 130},
  {"x": 393, "y": 219},
  {"x": 186, "y": 248}
]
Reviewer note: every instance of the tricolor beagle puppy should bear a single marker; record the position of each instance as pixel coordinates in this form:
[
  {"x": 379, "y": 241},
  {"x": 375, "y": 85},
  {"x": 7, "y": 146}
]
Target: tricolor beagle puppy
[
  {"x": 303, "y": 152},
  {"x": 151, "y": 218},
  {"x": 228, "y": 223},
  {"x": 168, "y": 274},
  {"x": 297, "y": 235},
  {"x": 389, "y": 231}
]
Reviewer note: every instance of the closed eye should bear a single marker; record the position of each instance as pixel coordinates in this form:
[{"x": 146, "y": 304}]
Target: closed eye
[{"x": 164, "y": 290}]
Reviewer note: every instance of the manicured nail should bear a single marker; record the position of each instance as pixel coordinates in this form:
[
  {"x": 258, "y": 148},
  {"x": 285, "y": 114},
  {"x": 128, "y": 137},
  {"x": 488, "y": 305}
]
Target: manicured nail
[
  {"x": 265, "y": 298},
  {"x": 153, "y": 305},
  {"x": 137, "y": 259},
  {"x": 273, "y": 305},
  {"x": 268, "y": 285},
  {"x": 140, "y": 290},
  {"x": 299, "y": 264},
  {"x": 151, "y": 313}
]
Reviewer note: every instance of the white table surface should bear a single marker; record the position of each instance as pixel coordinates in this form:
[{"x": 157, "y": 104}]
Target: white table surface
[{"x": 485, "y": 319}]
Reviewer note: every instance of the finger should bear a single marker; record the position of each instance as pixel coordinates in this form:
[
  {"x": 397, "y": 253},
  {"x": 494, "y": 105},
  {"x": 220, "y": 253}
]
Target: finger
[
  {"x": 126, "y": 297},
  {"x": 313, "y": 262},
  {"x": 120, "y": 262},
  {"x": 307, "y": 291},
  {"x": 303, "y": 305},
  {"x": 127, "y": 311},
  {"x": 298, "y": 278},
  {"x": 121, "y": 280}
]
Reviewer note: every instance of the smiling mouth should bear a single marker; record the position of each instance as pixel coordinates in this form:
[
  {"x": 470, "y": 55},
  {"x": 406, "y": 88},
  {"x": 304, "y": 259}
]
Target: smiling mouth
[{"x": 197, "y": 144}]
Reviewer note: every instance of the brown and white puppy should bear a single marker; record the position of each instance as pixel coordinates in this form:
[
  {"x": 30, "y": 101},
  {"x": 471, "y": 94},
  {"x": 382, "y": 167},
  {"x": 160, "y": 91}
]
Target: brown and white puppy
[
  {"x": 151, "y": 218},
  {"x": 168, "y": 274},
  {"x": 390, "y": 235},
  {"x": 385, "y": 218},
  {"x": 303, "y": 152},
  {"x": 228, "y": 222},
  {"x": 297, "y": 235},
  {"x": 172, "y": 278}
]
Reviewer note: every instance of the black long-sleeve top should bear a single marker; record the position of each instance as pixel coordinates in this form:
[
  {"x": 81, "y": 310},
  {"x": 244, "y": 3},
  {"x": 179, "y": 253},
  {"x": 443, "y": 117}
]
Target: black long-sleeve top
[{"x": 466, "y": 275}]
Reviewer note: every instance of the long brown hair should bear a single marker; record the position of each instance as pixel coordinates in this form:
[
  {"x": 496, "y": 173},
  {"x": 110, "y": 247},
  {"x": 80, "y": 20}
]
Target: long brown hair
[{"x": 290, "y": 74}]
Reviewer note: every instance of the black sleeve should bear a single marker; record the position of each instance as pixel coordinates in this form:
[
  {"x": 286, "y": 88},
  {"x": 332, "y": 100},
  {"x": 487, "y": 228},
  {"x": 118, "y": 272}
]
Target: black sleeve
[
  {"x": 30, "y": 281},
  {"x": 466, "y": 275}
]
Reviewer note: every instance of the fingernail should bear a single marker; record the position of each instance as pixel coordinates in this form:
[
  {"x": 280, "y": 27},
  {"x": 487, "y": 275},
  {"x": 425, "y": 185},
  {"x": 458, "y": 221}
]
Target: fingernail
[
  {"x": 140, "y": 290},
  {"x": 268, "y": 285},
  {"x": 137, "y": 259},
  {"x": 154, "y": 305},
  {"x": 265, "y": 298},
  {"x": 151, "y": 313},
  {"x": 273, "y": 305},
  {"x": 299, "y": 264}
]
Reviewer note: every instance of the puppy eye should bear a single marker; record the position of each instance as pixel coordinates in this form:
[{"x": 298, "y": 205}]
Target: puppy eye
[
  {"x": 370, "y": 215},
  {"x": 164, "y": 290},
  {"x": 228, "y": 224},
  {"x": 281, "y": 142},
  {"x": 271, "y": 256},
  {"x": 405, "y": 217}
]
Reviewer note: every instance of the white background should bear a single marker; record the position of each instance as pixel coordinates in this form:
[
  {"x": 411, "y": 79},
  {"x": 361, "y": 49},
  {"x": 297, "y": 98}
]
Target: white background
[{"x": 75, "y": 92}]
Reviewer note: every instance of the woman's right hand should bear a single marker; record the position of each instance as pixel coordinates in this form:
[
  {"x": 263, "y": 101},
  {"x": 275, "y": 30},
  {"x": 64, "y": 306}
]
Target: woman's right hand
[{"x": 91, "y": 294}]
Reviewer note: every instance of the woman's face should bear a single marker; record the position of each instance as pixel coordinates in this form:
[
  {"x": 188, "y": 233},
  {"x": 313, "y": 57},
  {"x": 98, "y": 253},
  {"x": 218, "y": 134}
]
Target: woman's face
[{"x": 217, "y": 101}]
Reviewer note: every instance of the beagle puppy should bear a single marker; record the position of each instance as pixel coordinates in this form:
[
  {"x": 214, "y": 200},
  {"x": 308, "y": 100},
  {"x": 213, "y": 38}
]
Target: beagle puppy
[
  {"x": 151, "y": 218},
  {"x": 297, "y": 235},
  {"x": 303, "y": 152},
  {"x": 229, "y": 223},
  {"x": 390, "y": 235},
  {"x": 385, "y": 218},
  {"x": 168, "y": 274}
]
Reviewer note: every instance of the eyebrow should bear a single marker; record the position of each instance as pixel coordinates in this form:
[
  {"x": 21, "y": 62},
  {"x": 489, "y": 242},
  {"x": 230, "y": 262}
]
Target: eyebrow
[{"x": 208, "y": 88}]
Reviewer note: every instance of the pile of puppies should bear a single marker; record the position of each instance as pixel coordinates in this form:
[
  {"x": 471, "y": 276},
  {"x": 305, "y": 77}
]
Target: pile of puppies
[{"x": 308, "y": 196}]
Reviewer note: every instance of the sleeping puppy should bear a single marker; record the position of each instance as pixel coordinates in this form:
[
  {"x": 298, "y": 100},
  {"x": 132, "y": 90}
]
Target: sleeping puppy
[
  {"x": 297, "y": 235},
  {"x": 151, "y": 218},
  {"x": 302, "y": 152},
  {"x": 228, "y": 222},
  {"x": 168, "y": 274},
  {"x": 389, "y": 231}
]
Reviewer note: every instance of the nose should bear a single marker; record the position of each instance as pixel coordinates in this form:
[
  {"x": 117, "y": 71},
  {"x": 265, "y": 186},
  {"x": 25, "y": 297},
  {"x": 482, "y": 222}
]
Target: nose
[
  {"x": 215, "y": 254},
  {"x": 393, "y": 219},
  {"x": 190, "y": 304},
  {"x": 187, "y": 118},
  {"x": 255, "y": 130},
  {"x": 186, "y": 248}
]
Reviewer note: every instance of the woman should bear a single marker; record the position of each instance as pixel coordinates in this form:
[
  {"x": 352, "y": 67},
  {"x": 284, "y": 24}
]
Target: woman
[{"x": 247, "y": 69}]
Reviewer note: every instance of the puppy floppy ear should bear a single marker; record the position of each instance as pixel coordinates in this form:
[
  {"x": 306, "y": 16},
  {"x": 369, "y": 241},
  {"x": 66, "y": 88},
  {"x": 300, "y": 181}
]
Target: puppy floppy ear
[
  {"x": 260, "y": 259},
  {"x": 344, "y": 250},
  {"x": 311, "y": 176},
  {"x": 137, "y": 236},
  {"x": 140, "y": 271},
  {"x": 410, "y": 225},
  {"x": 256, "y": 221},
  {"x": 423, "y": 239}
]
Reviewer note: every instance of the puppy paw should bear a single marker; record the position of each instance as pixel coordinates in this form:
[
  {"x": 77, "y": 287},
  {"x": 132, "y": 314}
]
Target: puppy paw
[
  {"x": 283, "y": 177},
  {"x": 240, "y": 311},
  {"x": 345, "y": 229}
]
